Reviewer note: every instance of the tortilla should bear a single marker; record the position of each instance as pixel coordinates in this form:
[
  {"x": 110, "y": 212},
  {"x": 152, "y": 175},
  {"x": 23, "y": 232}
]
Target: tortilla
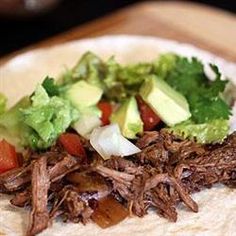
[{"x": 19, "y": 76}]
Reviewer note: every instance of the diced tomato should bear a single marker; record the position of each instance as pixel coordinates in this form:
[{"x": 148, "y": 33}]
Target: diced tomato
[
  {"x": 72, "y": 144},
  {"x": 8, "y": 156},
  {"x": 106, "y": 109},
  {"x": 148, "y": 116}
]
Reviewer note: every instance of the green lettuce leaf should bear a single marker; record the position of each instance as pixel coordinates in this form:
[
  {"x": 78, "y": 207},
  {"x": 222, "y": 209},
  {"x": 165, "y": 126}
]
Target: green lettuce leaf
[
  {"x": 51, "y": 87},
  {"x": 89, "y": 68},
  {"x": 122, "y": 82},
  {"x": 211, "y": 132},
  {"x": 47, "y": 118},
  {"x": 12, "y": 127},
  {"x": 164, "y": 64}
]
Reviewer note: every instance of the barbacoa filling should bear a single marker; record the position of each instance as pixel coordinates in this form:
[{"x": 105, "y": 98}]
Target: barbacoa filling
[{"x": 164, "y": 173}]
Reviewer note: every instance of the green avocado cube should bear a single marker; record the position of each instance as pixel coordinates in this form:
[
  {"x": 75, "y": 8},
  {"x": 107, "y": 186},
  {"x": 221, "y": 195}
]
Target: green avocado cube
[{"x": 171, "y": 106}]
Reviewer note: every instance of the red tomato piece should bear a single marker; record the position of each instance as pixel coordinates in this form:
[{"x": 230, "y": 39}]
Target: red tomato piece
[
  {"x": 106, "y": 109},
  {"x": 72, "y": 144},
  {"x": 148, "y": 116},
  {"x": 8, "y": 156}
]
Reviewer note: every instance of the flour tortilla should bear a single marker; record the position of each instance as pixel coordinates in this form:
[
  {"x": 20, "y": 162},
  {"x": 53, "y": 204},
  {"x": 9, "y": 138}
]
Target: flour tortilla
[{"x": 19, "y": 76}]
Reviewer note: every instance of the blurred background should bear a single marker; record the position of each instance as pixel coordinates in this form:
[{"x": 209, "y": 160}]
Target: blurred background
[{"x": 23, "y": 22}]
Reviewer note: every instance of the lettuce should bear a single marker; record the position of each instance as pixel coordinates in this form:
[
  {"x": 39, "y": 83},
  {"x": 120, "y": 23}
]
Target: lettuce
[
  {"x": 122, "y": 82},
  {"x": 51, "y": 87},
  {"x": 89, "y": 68},
  {"x": 46, "y": 117},
  {"x": 211, "y": 132},
  {"x": 12, "y": 126},
  {"x": 164, "y": 64}
]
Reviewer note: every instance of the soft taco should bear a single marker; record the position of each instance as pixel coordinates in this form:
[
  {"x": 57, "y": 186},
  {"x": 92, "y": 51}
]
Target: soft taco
[{"x": 196, "y": 165}]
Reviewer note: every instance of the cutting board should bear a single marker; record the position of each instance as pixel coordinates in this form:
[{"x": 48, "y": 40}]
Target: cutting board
[{"x": 205, "y": 27}]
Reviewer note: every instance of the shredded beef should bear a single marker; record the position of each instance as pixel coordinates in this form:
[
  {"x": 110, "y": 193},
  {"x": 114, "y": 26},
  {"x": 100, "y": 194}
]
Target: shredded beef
[
  {"x": 165, "y": 206},
  {"x": 15, "y": 179},
  {"x": 66, "y": 165},
  {"x": 164, "y": 178},
  {"x": 18, "y": 178},
  {"x": 40, "y": 185},
  {"x": 90, "y": 185},
  {"x": 21, "y": 199},
  {"x": 166, "y": 172}
]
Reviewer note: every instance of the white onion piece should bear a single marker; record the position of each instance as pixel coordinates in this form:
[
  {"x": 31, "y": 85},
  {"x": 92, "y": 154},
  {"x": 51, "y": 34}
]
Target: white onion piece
[
  {"x": 233, "y": 119},
  {"x": 86, "y": 124},
  {"x": 108, "y": 141}
]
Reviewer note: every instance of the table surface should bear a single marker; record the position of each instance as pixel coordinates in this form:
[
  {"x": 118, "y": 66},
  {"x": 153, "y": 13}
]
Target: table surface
[{"x": 205, "y": 27}]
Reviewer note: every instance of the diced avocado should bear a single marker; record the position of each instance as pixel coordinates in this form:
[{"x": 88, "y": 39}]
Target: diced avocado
[
  {"x": 168, "y": 104},
  {"x": 82, "y": 94},
  {"x": 128, "y": 118}
]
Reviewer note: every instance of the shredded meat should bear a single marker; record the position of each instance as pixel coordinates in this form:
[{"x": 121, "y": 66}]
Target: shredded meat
[
  {"x": 165, "y": 206},
  {"x": 164, "y": 178},
  {"x": 166, "y": 171},
  {"x": 63, "y": 167},
  {"x": 40, "y": 185},
  {"x": 15, "y": 179},
  {"x": 121, "y": 177},
  {"x": 21, "y": 199},
  {"x": 19, "y": 178}
]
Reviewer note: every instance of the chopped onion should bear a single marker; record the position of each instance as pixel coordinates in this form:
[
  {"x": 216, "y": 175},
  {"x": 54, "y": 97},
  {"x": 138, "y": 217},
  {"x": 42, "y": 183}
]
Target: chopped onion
[
  {"x": 108, "y": 141},
  {"x": 85, "y": 125},
  {"x": 233, "y": 119}
]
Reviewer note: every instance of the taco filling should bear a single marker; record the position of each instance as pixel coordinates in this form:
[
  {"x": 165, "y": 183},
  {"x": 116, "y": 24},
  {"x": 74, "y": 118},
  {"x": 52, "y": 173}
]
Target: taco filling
[{"x": 106, "y": 141}]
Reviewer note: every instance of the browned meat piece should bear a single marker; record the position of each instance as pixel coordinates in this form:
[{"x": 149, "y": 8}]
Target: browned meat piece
[
  {"x": 162, "y": 148},
  {"x": 54, "y": 154},
  {"x": 215, "y": 166},
  {"x": 18, "y": 178},
  {"x": 61, "y": 168},
  {"x": 147, "y": 139},
  {"x": 119, "y": 163},
  {"x": 90, "y": 182},
  {"x": 40, "y": 184},
  {"x": 232, "y": 181},
  {"x": 74, "y": 208},
  {"x": 124, "y": 165},
  {"x": 155, "y": 154},
  {"x": 115, "y": 175},
  {"x": 15, "y": 179},
  {"x": 160, "y": 199},
  {"x": 164, "y": 178},
  {"x": 95, "y": 159},
  {"x": 21, "y": 199}
]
